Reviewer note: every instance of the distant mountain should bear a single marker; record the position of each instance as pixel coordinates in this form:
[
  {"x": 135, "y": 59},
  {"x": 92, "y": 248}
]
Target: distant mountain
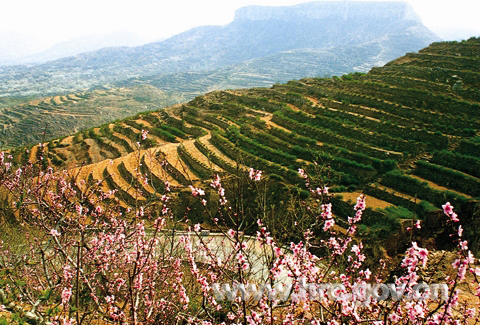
[
  {"x": 83, "y": 44},
  {"x": 14, "y": 45},
  {"x": 276, "y": 68},
  {"x": 256, "y": 32}
]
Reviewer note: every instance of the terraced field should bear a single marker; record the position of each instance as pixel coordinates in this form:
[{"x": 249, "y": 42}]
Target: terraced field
[
  {"x": 406, "y": 134},
  {"x": 56, "y": 116}
]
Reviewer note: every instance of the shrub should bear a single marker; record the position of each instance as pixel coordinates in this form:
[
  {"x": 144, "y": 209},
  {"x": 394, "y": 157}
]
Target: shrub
[{"x": 85, "y": 261}]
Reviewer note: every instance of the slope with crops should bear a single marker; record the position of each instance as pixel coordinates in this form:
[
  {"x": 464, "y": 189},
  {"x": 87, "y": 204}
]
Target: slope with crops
[{"x": 405, "y": 134}]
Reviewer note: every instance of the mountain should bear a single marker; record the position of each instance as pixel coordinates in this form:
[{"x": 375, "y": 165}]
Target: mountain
[
  {"x": 407, "y": 135},
  {"x": 276, "y": 68},
  {"x": 256, "y": 32},
  {"x": 82, "y": 44},
  {"x": 14, "y": 45}
]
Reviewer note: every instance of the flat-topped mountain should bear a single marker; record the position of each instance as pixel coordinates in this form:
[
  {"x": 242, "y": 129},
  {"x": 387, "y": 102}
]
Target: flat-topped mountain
[
  {"x": 327, "y": 9},
  {"x": 256, "y": 32}
]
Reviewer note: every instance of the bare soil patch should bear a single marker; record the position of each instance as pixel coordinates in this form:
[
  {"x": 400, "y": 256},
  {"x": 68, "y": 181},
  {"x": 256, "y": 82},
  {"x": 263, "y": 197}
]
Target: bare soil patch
[{"x": 371, "y": 201}]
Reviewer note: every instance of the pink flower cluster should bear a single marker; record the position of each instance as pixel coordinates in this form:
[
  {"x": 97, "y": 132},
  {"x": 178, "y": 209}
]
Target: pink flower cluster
[{"x": 255, "y": 175}]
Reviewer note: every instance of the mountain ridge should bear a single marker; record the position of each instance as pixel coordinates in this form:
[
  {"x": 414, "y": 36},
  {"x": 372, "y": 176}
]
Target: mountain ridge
[{"x": 212, "y": 47}]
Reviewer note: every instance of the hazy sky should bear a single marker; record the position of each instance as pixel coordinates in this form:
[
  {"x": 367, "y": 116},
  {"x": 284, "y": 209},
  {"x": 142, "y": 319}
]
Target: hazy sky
[{"x": 57, "y": 20}]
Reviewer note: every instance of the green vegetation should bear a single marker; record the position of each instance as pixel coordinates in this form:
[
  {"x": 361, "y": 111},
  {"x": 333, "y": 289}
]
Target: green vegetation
[{"x": 405, "y": 134}]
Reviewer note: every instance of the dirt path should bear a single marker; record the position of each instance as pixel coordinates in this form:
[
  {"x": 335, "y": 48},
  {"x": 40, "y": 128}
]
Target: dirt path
[
  {"x": 439, "y": 187},
  {"x": 399, "y": 194},
  {"x": 371, "y": 201},
  {"x": 268, "y": 120}
]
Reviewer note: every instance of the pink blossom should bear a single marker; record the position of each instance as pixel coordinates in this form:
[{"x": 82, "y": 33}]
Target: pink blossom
[
  {"x": 255, "y": 175},
  {"x": 356, "y": 249},
  {"x": 454, "y": 217},
  {"x": 240, "y": 258},
  {"x": 110, "y": 299},
  {"x": 460, "y": 231},
  {"x": 447, "y": 208},
  {"x": 54, "y": 233},
  {"x": 231, "y": 232},
  {"x": 197, "y": 191},
  {"x": 360, "y": 203},
  {"x": 328, "y": 224},
  {"x": 216, "y": 182},
  {"x": 66, "y": 294},
  {"x": 394, "y": 317},
  {"x": 470, "y": 312},
  {"x": 165, "y": 209},
  {"x": 302, "y": 173},
  {"x": 367, "y": 274},
  {"x": 144, "y": 134}
]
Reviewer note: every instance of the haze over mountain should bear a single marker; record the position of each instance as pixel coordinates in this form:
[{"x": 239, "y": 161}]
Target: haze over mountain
[
  {"x": 17, "y": 44},
  {"x": 256, "y": 32},
  {"x": 75, "y": 46}
]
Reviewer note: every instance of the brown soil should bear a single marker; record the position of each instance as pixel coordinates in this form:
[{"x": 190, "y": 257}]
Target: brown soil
[
  {"x": 190, "y": 147},
  {"x": 67, "y": 140},
  {"x": 120, "y": 181},
  {"x": 130, "y": 142},
  {"x": 33, "y": 154},
  {"x": 94, "y": 151},
  {"x": 156, "y": 169},
  {"x": 206, "y": 141},
  {"x": 57, "y": 100},
  {"x": 144, "y": 123},
  {"x": 370, "y": 201},
  {"x": 268, "y": 120},
  {"x": 131, "y": 162},
  {"x": 171, "y": 154},
  {"x": 439, "y": 187}
]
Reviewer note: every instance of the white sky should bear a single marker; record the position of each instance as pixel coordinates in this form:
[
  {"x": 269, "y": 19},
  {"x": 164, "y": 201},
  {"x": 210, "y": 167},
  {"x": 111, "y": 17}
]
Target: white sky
[{"x": 58, "y": 20}]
